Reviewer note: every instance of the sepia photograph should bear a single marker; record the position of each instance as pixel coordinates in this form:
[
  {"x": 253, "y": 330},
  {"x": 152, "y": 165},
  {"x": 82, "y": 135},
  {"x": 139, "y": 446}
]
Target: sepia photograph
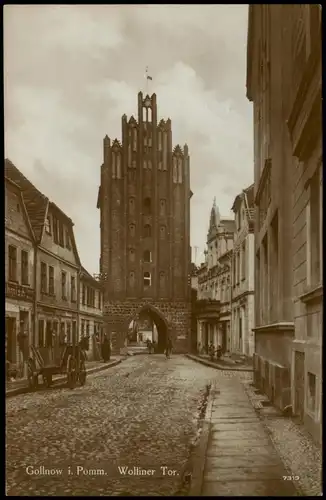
[{"x": 163, "y": 179}]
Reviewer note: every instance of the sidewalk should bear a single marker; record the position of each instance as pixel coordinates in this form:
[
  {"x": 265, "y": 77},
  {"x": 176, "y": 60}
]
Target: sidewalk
[
  {"x": 21, "y": 386},
  {"x": 240, "y": 459},
  {"x": 221, "y": 364}
]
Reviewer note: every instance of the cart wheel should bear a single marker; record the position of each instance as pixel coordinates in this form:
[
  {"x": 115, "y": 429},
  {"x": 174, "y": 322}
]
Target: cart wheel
[
  {"x": 47, "y": 380},
  {"x": 71, "y": 372},
  {"x": 82, "y": 372},
  {"x": 32, "y": 375}
]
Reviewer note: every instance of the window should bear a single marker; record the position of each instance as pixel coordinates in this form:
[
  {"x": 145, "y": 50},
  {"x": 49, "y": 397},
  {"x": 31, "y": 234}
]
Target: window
[
  {"x": 61, "y": 235},
  {"x": 147, "y": 206},
  {"x": 68, "y": 244},
  {"x": 24, "y": 268},
  {"x": 73, "y": 289},
  {"x": 63, "y": 285},
  {"x": 41, "y": 333},
  {"x": 132, "y": 255},
  {"x": 113, "y": 166},
  {"x": 82, "y": 328},
  {"x": 147, "y": 256},
  {"x": 131, "y": 279},
  {"x": 83, "y": 294},
  {"x": 48, "y": 225},
  {"x": 147, "y": 280},
  {"x": 311, "y": 403},
  {"x": 147, "y": 231},
  {"x": 51, "y": 280},
  {"x": 99, "y": 300},
  {"x": 118, "y": 176},
  {"x": 234, "y": 260},
  {"x": 162, "y": 232},
  {"x": 44, "y": 287},
  {"x": 131, "y": 205},
  {"x": 55, "y": 230},
  {"x": 132, "y": 230},
  {"x": 265, "y": 279},
  {"x": 165, "y": 151},
  {"x": 48, "y": 334},
  {"x": 135, "y": 139},
  {"x": 69, "y": 339},
  {"x": 87, "y": 328},
  {"x": 162, "y": 207},
  {"x": 160, "y": 140},
  {"x": 12, "y": 254},
  {"x": 162, "y": 279},
  {"x": 74, "y": 331},
  {"x": 244, "y": 263},
  {"x": 314, "y": 229},
  {"x": 62, "y": 333}
]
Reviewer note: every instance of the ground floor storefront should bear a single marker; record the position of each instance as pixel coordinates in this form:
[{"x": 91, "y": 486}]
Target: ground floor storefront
[
  {"x": 18, "y": 335},
  {"x": 91, "y": 326}
]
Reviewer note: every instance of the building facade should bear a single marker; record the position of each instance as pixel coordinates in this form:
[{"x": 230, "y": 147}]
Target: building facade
[
  {"x": 91, "y": 313},
  {"x": 56, "y": 268},
  {"x": 284, "y": 83},
  {"x": 19, "y": 278},
  {"x": 243, "y": 298},
  {"x": 144, "y": 202},
  {"x": 214, "y": 284}
]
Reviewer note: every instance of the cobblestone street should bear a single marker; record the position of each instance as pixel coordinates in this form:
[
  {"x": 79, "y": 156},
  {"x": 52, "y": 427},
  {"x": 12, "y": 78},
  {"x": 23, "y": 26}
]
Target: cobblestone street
[{"x": 142, "y": 413}]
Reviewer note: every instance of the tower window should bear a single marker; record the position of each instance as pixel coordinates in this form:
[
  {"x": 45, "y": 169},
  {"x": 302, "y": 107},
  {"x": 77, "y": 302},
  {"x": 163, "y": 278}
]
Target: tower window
[
  {"x": 147, "y": 279},
  {"x": 147, "y": 231},
  {"x": 131, "y": 279},
  {"x": 162, "y": 207},
  {"x": 162, "y": 232},
  {"x": 147, "y": 206},
  {"x": 132, "y": 229},
  {"x": 147, "y": 256},
  {"x": 162, "y": 279},
  {"x": 131, "y": 205},
  {"x": 132, "y": 254},
  {"x": 160, "y": 140},
  {"x": 135, "y": 139}
]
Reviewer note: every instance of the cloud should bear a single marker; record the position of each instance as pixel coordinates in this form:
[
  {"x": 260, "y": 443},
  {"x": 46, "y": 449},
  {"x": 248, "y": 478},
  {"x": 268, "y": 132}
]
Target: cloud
[{"x": 72, "y": 71}]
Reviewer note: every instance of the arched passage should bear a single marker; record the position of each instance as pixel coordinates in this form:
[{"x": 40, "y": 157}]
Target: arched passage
[{"x": 157, "y": 322}]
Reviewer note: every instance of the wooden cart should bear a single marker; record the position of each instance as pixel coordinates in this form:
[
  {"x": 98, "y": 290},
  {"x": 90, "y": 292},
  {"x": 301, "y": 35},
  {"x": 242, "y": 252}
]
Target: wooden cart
[{"x": 49, "y": 361}]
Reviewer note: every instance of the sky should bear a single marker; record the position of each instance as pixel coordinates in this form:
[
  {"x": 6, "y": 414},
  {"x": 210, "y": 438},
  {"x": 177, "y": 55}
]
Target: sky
[{"x": 72, "y": 71}]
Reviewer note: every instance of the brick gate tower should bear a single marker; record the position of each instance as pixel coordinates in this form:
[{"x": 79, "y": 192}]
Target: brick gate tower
[{"x": 144, "y": 201}]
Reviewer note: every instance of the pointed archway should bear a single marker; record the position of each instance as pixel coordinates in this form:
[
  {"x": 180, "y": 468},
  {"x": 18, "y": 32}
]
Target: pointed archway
[{"x": 161, "y": 323}]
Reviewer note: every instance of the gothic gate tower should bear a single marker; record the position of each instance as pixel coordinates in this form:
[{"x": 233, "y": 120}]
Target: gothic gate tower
[{"x": 144, "y": 201}]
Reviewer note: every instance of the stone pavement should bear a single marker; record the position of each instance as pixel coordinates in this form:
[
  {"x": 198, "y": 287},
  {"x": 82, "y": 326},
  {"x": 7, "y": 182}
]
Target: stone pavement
[
  {"x": 20, "y": 386},
  {"x": 141, "y": 414},
  {"x": 240, "y": 458}
]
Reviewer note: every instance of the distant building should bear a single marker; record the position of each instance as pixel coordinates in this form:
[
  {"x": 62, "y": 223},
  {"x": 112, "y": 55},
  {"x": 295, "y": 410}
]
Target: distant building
[
  {"x": 243, "y": 299},
  {"x": 284, "y": 76},
  {"x": 91, "y": 312},
  {"x": 19, "y": 278},
  {"x": 214, "y": 284},
  {"x": 144, "y": 200}
]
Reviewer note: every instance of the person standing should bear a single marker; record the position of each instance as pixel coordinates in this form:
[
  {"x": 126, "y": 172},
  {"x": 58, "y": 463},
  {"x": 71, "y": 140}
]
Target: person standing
[
  {"x": 106, "y": 350},
  {"x": 168, "y": 349}
]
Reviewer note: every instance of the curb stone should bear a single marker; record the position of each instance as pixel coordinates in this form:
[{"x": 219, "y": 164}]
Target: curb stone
[
  {"x": 199, "y": 454},
  {"x": 24, "y": 389},
  {"x": 216, "y": 365}
]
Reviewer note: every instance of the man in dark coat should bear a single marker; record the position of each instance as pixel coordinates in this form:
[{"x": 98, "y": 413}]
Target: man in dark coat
[{"x": 106, "y": 350}]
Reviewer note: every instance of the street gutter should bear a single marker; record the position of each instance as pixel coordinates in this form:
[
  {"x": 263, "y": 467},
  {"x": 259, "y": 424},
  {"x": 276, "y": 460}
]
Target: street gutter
[
  {"x": 60, "y": 380},
  {"x": 199, "y": 454}
]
